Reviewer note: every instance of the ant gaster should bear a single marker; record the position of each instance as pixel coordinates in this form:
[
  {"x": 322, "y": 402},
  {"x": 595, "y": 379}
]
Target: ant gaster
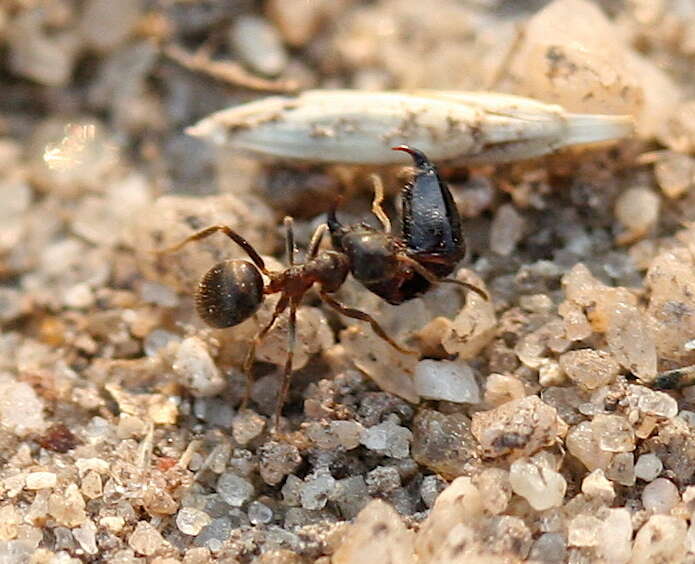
[{"x": 396, "y": 269}]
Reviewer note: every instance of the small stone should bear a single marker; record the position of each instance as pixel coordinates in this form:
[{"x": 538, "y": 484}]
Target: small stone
[
  {"x": 234, "y": 489},
  {"x": 259, "y": 513},
  {"x": 104, "y": 25},
  {"x": 648, "y": 467},
  {"x": 246, "y": 426},
  {"x": 589, "y": 368},
  {"x": 21, "y": 410},
  {"x": 291, "y": 490},
  {"x": 388, "y": 439},
  {"x": 191, "y": 521},
  {"x": 351, "y": 496},
  {"x": 660, "y": 496},
  {"x": 443, "y": 443},
  {"x": 348, "y": 433},
  {"x": 583, "y": 444},
  {"x": 630, "y": 340},
  {"x": 214, "y": 535},
  {"x": 145, "y": 539},
  {"x": 9, "y": 522},
  {"x": 501, "y": 388},
  {"x": 277, "y": 460},
  {"x": 40, "y": 480},
  {"x": 91, "y": 486},
  {"x": 539, "y": 484},
  {"x": 316, "y": 490},
  {"x": 675, "y": 173},
  {"x": 506, "y": 230},
  {"x": 297, "y": 20},
  {"x": 659, "y": 404},
  {"x": 377, "y": 535},
  {"x": 596, "y": 485},
  {"x": 10, "y": 304},
  {"x": 446, "y": 380},
  {"x": 613, "y": 432},
  {"x": 114, "y": 524},
  {"x": 661, "y": 539},
  {"x": 430, "y": 488},
  {"x": 85, "y": 535},
  {"x": 638, "y": 210},
  {"x": 258, "y": 44},
  {"x": 196, "y": 369},
  {"x": 584, "y": 530},
  {"x": 472, "y": 328},
  {"x": 622, "y": 469},
  {"x": 615, "y": 536},
  {"x": 68, "y": 507},
  {"x": 550, "y": 548},
  {"x": 495, "y": 489},
  {"x": 382, "y": 480},
  {"x": 523, "y": 426}
]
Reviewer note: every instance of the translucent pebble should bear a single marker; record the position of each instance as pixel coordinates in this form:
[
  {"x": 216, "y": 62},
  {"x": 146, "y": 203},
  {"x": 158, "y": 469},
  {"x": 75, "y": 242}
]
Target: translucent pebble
[
  {"x": 659, "y": 404},
  {"x": 388, "y": 438},
  {"x": 589, "y": 368},
  {"x": 259, "y": 513},
  {"x": 40, "y": 480},
  {"x": 495, "y": 489},
  {"x": 584, "y": 530},
  {"x": 159, "y": 294},
  {"x": 145, "y": 539},
  {"x": 234, "y": 489},
  {"x": 21, "y": 410},
  {"x": 348, "y": 433},
  {"x": 291, "y": 490},
  {"x": 596, "y": 485},
  {"x": 351, "y": 495},
  {"x": 630, "y": 341},
  {"x": 446, "y": 380},
  {"x": 661, "y": 539},
  {"x": 638, "y": 210},
  {"x": 582, "y": 444},
  {"x": 297, "y": 20},
  {"x": 501, "y": 388},
  {"x": 622, "y": 468},
  {"x": 196, "y": 369},
  {"x": 648, "y": 467},
  {"x": 246, "y": 426},
  {"x": 613, "y": 432},
  {"x": 549, "y": 547},
  {"x": 215, "y": 533},
  {"x": 540, "y": 485},
  {"x": 191, "y": 521},
  {"x": 430, "y": 488},
  {"x": 377, "y": 535},
  {"x": 675, "y": 173},
  {"x": 85, "y": 535},
  {"x": 277, "y": 460},
  {"x": 525, "y": 426},
  {"x": 316, "y": 489},
  {"x": 660, "y": 496},
  {"x": 472, "y": 328},
  {"x": 506, "y": 230},
  {"x": 257, "y": 43},
  {"x": 615, "y": 536}
]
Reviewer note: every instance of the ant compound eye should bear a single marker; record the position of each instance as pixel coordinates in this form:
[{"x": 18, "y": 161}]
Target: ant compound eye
[{"x": 229, "y": 293}]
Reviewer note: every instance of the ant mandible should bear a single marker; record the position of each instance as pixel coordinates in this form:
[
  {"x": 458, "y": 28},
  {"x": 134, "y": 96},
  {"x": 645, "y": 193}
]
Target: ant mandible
[{"x": 396, "y": 269}]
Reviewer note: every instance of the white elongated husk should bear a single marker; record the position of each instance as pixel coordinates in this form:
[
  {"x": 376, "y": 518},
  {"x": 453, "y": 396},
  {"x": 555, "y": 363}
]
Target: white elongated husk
[{"x": 360, "y": 127}]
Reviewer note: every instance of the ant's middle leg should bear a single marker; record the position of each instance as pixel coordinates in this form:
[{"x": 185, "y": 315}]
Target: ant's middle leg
[
  {"x": 287, "y": 372},
  {"x": 251, "y": 352},
  {"x": 377, "y": 209},
  {"x": 315, "y": 242},
  {"x": 362, "y": 316},
  {"x": 229, "y": 232}
]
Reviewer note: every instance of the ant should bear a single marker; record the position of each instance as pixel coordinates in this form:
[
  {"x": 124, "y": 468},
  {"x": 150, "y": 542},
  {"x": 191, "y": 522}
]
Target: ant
[{"x": 396, "y": 269}]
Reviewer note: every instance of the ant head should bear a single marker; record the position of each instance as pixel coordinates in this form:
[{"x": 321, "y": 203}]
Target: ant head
[{"x": 229, "y": 293}]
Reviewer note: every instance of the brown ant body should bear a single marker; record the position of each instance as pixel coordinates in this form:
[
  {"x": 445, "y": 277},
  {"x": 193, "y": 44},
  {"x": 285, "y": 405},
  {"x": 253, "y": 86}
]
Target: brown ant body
[{"x": 396, "y": 269}]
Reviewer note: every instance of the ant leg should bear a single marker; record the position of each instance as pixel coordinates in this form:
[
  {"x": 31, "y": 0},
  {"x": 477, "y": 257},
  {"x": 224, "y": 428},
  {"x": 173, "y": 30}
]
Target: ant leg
[
  {"x": 362, "y": 316},
  {"x": 289, "y": 239},
  {"x": 377, "y": 210},
  {"x": 287, "y": 372},
  {"x": 432, "y": 279},
  {"x": 251, "y": 352},
  {"x": 229, "y": 232},
  {"x": 316, "y": 238}
]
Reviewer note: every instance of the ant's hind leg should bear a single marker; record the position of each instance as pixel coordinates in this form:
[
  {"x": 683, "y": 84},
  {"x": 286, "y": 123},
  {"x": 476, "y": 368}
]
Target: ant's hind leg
[
  {"x": 229, "y": 232},
  {"x": 432, "y": 279},
  {"x": 377, "y": 210},
  {"x": 315, "y": 242},
  {"x": 287, "y": 372},
  {"x": 362, "y": 316},
  {"x": 251, "y": 352}
]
